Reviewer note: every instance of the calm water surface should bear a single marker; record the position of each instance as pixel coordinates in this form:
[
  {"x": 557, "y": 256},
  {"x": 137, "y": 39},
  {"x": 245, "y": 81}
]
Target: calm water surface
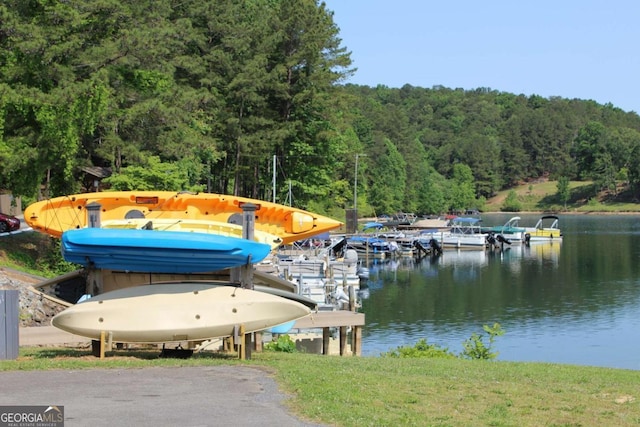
[{"x": 575, "y": 301}]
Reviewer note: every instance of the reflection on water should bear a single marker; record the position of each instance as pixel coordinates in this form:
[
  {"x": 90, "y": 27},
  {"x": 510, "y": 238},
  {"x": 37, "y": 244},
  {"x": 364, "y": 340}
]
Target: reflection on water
[{"x": 575, "y": 301}]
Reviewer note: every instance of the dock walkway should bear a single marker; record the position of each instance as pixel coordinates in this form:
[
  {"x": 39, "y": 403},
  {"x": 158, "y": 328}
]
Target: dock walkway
[{"x": 325, "y": 320}]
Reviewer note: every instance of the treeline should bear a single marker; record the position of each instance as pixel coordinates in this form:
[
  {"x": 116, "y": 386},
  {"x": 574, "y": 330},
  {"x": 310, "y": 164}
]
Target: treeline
[
  {"x": 211, "y": 94},
  {"x": 445, "y": 140},
  {"x": 170, "y": 94}
]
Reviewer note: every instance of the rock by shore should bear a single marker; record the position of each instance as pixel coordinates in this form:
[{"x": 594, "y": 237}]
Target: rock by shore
[{"x": 35, "y": 310}]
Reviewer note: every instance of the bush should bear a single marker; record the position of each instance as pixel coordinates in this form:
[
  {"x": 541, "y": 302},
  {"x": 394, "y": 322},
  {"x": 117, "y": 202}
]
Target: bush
[
  {"x": 283, "y": 344},
  {"x": 421, "y": 349},
  {"x": 475, "y": 348}
]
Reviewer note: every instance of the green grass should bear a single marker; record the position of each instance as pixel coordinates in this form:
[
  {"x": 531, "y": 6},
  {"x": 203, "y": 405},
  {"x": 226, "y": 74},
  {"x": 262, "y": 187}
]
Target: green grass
[
  {"x": 368, "y": 391},
  {"x": 542, "y": 197},
  {"x": 33, "y": 253}
]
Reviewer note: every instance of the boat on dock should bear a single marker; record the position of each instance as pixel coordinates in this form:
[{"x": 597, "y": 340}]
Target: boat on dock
[
  {"x": 546, "y": 229},
  {"x": 511, "y": 231},
  {"x": 465, "y": 233},
  {"x": 433, "y": 224},
  {"x": 372, "y": 246},
  {"x": 327, "y": 278},
  {"x": 399, "y": 220}
]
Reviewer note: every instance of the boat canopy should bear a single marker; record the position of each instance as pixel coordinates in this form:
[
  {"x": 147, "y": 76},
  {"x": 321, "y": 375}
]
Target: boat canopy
[{"x": 369, "y": 225}]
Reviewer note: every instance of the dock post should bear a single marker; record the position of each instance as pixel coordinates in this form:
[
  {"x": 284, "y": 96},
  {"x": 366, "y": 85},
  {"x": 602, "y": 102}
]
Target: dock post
[
  {"x": 227, "y": 344},
  {"x": 241, "y": 343},
  {"x": 326, "y": 337},
  {"x": 257, "y": 344},
  {"x": 248, "y": 346},
  {"x": 102, "y": 344},
  {"x": 352, "y": 298},
  {"x": 356, "y": 340},
  {"x": 343, "y": 339}
]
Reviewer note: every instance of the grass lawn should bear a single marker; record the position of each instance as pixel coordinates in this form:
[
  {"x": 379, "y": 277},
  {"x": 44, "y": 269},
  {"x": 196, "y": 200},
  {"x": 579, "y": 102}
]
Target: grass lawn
[{"x": 383, "y": 391}]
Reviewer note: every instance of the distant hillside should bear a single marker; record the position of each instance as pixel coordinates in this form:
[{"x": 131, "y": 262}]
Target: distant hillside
[{"x": 542, "y": 196}]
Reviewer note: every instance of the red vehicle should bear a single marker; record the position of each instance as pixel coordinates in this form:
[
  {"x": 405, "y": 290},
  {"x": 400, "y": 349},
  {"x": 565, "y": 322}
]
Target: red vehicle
[{"x": 8, "y": 223}]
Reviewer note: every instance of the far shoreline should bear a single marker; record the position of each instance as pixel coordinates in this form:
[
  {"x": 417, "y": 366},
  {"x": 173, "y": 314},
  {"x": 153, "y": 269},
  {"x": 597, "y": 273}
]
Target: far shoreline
[{"x": 564, "y": 213}]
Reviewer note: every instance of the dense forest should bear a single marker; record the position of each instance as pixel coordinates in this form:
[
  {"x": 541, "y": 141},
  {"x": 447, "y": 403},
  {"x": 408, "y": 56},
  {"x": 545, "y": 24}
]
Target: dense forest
[{"x": 234, "y": 96}]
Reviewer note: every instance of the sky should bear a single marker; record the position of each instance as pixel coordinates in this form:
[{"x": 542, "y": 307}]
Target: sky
[{"x": 584, "y": 49}]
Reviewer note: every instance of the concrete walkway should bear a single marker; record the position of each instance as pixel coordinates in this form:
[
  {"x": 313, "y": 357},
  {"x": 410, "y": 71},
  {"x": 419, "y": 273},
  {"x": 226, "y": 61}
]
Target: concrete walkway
[
  {"x": 186, "y": 396},
  {"x": 183, "y": 396},
  {"x": 48, "y": 335}
]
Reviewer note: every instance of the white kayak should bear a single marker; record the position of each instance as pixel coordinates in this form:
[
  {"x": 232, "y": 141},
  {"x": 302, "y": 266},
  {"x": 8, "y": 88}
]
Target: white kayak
[{"x": 177, "y": 312}]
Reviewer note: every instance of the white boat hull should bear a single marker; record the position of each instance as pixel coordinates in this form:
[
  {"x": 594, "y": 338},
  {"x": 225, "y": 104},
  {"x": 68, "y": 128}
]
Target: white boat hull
[
  {"x": 448, "y": 240},
  {"x": 177, "y": 312}
]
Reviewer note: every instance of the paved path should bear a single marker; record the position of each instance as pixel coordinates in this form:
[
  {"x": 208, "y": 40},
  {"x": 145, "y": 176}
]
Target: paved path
[
  {"x": 184, "y": 396},
  {"x": 48, "y": 335}
]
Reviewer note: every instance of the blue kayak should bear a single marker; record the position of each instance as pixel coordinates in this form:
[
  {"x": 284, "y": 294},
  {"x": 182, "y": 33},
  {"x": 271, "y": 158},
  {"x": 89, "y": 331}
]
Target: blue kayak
[{"x": 154, "y": 251}]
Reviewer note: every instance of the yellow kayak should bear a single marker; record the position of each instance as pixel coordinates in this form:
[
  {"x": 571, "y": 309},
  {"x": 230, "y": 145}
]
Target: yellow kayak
[{"x": 54, "y": 216}]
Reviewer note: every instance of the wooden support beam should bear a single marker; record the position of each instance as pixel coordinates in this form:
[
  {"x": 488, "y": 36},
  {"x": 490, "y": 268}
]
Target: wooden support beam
[
  {"x": 241, "y": 343},
  {"x": 356, "y": 340},
  {"x": 326, "y": 336},
  {"x": 248, "y": 346},
  {"x": 102, "y": 344},
  {"x": 227, "y": 344},
  {"x": 343, "y": 339},
  {"x": 257, "y": 341}
]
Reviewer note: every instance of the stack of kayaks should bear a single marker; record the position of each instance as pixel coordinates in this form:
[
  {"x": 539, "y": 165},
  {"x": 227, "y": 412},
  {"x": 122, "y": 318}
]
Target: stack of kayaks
[{"x": 165, "y": 233}]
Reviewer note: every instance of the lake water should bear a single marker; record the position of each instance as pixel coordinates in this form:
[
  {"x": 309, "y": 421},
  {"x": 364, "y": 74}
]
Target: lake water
[{"x": 574, "y": 302}]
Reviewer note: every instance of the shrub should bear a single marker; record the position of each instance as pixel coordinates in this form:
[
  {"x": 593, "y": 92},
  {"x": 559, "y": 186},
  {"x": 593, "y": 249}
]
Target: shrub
[
  {"x": 475, "y": 348},
  {"x": 421, "y": 349},
  {"x": 283, "y": 344}
]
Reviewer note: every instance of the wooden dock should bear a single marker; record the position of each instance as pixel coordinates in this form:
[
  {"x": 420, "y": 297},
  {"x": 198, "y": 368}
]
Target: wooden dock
[
  {"x": 342, "y": 319},
  {"x": 325, "y": 320}
]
